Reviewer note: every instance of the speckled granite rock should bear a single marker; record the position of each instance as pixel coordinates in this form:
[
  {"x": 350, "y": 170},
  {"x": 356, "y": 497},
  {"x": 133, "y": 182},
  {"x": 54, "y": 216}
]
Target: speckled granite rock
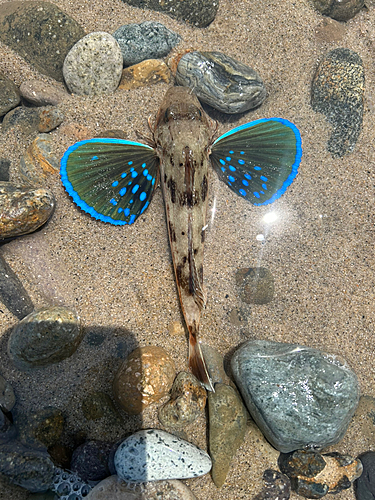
[
  {"x": 90, "y": 460},
  {"x": 9, "y": 94},
  {"x": 12, "y": 293},
  {"x": 276, "y": 486},
  {"x": 341, "y": 10}
]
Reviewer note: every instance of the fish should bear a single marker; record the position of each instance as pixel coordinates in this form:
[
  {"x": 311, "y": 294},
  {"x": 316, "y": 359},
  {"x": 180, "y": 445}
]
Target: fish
[{"x": 114, "y": 180}]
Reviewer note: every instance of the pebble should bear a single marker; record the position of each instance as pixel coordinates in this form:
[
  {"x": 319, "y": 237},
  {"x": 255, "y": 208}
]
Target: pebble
[
  {"x": 297, "y": 395},
  {"x": 7, "y": 397},
  {"x": 40, "y": 93},
  {"x": 256, "y": 285},
  {"x": 24, "y": 24},
  {"x": 90, "y": 460},
  {"x": 199, "y": 14},
  {"x": 4, "y": 169},
  {"x": 227, "y": 429},
  {"x": 314, "y": 475},
  {"x": 188, "y": 400},
  {"x": 155, "y": 455},
  {"x": 338, "y": 92},
  {"x": 98, "y": 405},
  {"x": 94, "y": 65},
  {"x": 49, "y": 119},
  {"x": 33, "y": 119},
  {"x": 23, "y": 209},
  {"x": 145, "y": 377},
  {"x": 25, "y": 467},
  {"x": 145, "y": 74},
  {"x": 41, "y": 428},
  {"x": 364, "y": 486},
  {"x": 221, "y": 81},
  {"x": 276, "y": 486},
  {"x": 69, "y": 486},
  {"x": 7, "y": 430},
  {"x": 46, "y": 336},
  {"x": 13, "y": 294},
  {"x": 38, "y": 161},
  {"x": 148, "y": 40},
  {"x": 215, "y": 365},
  {"x": 341, "y": 10},
  {"x": 9, "y": 94},
  {"x": 114, "y": 489}
]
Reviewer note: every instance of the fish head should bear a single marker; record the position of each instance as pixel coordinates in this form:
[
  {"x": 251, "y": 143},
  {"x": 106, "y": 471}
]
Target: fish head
[{"x": 180, "y": 105}]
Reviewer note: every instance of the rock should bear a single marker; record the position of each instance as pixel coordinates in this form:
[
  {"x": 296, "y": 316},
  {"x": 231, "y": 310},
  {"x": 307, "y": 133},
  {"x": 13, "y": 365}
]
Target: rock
[
  {"x": 215, "y": 365},
  {"x": 148, "y": 40},
  {"x": 99, "y": 405},
  {"x": 24, "y": 24},
  {"x": 341, "y": 10},
  {"x": 49, "y": 119},
  {"x": 25, "y": 467},
  {"x": 90, "y": 460},
  {"x": 144, "y": 74},
  {"x": 40, "y": 93},
  {"x": 4, "y": 169},
  {"x": 297, "y": 395},
  {"x": 227, "y": 429},
  {"x": 41, "y": 428},
  {"x": 46, "y": 495},
  {"x": 145, "y": 377},
  {"x": 364, "y": 486},
  {"x": 113, "y": 488},
  {"x": 256, "y": 285},
  {"x": 30, "y": 120},
  {"x": 314, "y": 475},
  {"x": 46, "y": 336},
  {"x": 7, "y": 430},
  {"x": 220, "y": 81},
  {"x": 7, "y": 397},
  {"x": 9, "y": 95},
  {"x": 69, "y": 486},
  {"x": 13, "y": 295},
  {"x": 188, "y": 400},
  {"x": 199, "y": 14},
  {"x": 23, "y": 209},
  {"x": 155, "y": 455},
  {"x": 276, "y": 486},
  {"x": 94, "y": 65},
  {"x": 39, "y": 161},
  {"x": 338, "y": 92}
]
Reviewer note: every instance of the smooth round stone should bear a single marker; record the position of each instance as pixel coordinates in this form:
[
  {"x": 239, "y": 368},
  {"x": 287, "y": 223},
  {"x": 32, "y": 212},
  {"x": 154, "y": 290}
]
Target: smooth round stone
[
  {"x": 23, "y": 209},
  {"x": 145, "y": 377},
  {"x": 46, "y": 336},
  {"x": 297, "y": 395},
  {"x": 40, "y": 93},
  {"x": 13, "y": 295},
  {"x": 148, "y": 40},
  {"x": 49, "y": 119},
  {"x": 221, "y": 81},
  {"x": 69, "y": 486},
  {"x": 94, "y": 65},
  {"x": 364, "y": 486},
  {"x": 276, "y": 486},
  {"x": 256, "y": 285},
  {"x": 90, "y": 460},
  {"x": 40, "y": 429},
  {"x": 341, "y": 10},
  {"x": 156, "y": 455},
  {"x": 7, "y": 397},
  {"x": 9, "y": 95}
]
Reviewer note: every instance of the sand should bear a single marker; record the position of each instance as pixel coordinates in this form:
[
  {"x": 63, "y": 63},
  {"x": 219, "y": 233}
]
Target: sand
[{"x": 120, "y": 280}]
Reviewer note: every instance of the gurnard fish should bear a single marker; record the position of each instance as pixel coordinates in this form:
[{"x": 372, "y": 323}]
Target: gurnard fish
[{"x": 114, "y": 180}]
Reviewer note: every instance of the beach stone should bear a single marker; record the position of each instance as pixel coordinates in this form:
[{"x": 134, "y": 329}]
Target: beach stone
[
  {"x": 155, "y": 455},
  {"x": 7, "y": 397},
  {"x": 13, "y": 295},
  {"x": 41, "y": 428},
  {"x": 4, "y": 169},
  {"x": 25, "y": 467},
  {"x": 40, "y": 93},
  {"x": 40, "y": 33},
  {"x": 90, "y": 460},
  {"x": 7, "y": 430},
  {"x": 227, "y": 429},
  {"x": 39, "y": 161},
  {"x": 49, "y": 119},
  {"x": 9, "y": 94},
  {"x": 364, "y": 486},
  {"x": 145, "y": 74},
  {"x": 99, "y": 405},
  {"x": 69, "y": 486},
  {"x": 199, "y": 14},
  {"x": 94, "y": 65},
  {"x": 114, "y": 488},
  {"x": 256, "y": 285},
  {"x": 297, "y": 395},
  {"x": 314, "y": 475},
  {"x": 338, "y": 92},
  {"x": 276, "y": 486},
  {"x": 144, "y": 378},
  {"x": 27, "y": 119},
  {"x": 188, "y": 400},
  {"x": 44, "y": 337},
  {"x": 341, "y": 10},
  {"x": 221, "y": 81},
  {"x": 23, "y": 209},
  {"x": 215, "y": 365}
]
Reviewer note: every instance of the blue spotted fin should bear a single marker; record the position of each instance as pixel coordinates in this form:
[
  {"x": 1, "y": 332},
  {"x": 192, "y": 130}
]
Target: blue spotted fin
[
  {"x": 111, "y": 179},
  {"x": 258, "y": 160}
]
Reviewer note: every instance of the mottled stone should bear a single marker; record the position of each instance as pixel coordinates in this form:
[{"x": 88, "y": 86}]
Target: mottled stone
[
  {"x": 4, "y": 169},
  {"x": 12, "y": 294},
  {"x": 145, "y": 377},
  {"x": 227, "y": 429},
  {"x": 338, "y": 92},
  {"x": 9, "y": 94},
  {"x": 215, "y": 365},
  {"x": 297, "y": 395},
  {"x": 69, "y": 486},
  {"x": 145, "y": 74},
  {"x": 99, "y": 405},
  {"x": 341, "y": 10},
  {"x": 90, "y": 460},
  {"x": 38, "y": 161},
  {"x": 276, "y": 486},
  {"x": 364, "y": 486},
  {"x": 7, "y": 397},
  {"x": 221, "y": 81},
  {"x": 31, "y": 120},
  {"x": 41, "y": 428},
  {"x": 314, "y": 475},
  {"x": 40, "y": 33},
  {"x": 256, "y": 285},
  {"x": 23, "y": 210},
  {"x": 94, "y": 65},
  {"x": 40, "y": 93},
  {"x": 49, "y": 119},
  {"x": 46, "y": 336},
  {"x": 155, "y": 455}
]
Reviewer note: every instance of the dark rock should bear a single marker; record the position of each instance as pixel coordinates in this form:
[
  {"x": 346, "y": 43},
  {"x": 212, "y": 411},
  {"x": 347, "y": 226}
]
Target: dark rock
[
  {"x": 12, "y": 293},
  {"x": 9, "y": 95},
  {"x": 40, "y": 429},
  {"x": 40, "y": 93},
  {"x": 90, "y": 460},
  {"x": 31, "y": 120},
  {"x": 99, "y": 405},
  {"x": 364, "y": 486},
  {"x": 341, "y": 10},
  {"x": 7, "y": 397},
  {"x": 256, "y": 285},
  {"x": 4, "y": 169},
  {"x": 7, "y": 429},
  {"x": 276, "y": 486}
]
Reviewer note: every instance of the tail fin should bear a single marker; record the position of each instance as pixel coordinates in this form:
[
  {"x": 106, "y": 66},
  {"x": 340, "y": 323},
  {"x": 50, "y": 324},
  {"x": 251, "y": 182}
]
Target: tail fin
[{"x": 197, "y": 363}]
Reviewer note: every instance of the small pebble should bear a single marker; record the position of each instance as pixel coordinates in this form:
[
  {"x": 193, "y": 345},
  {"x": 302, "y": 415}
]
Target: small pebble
[
  {"x": 364, "y": 486},
  {"x": 49, "y": 119},
  {"x": 90, "y": 460},
  {"x": 38, "y": 161},
  {"x": 145, "y": 377},
  {"x": 145, "y": 74},
  {"x": 31, "y": 120},
  {"x": 23, "y": 209},
  {"x": 98, "y": 405},
  {"x": 46, "y": 336},
  {"x": 4, "y": 169},
  {"x": 69, "y": 486},
  {"x": 221, "y": 81},
  {"x": 155, "y": 455},
  {"x": 341, "y": 10},
  {"x": 256, "y": 285},
  {"x": 7, "y": 397},
  {"x": 41, "y": 428},
  {"x": 40, "y": 93},
  {"x": 215, "y": 365},
  {"x": 9, "y": 95},
  {"x": 94, "y": 65},
  {"x": 276, "y": 486},
  {"x": 13, "y": 294}
]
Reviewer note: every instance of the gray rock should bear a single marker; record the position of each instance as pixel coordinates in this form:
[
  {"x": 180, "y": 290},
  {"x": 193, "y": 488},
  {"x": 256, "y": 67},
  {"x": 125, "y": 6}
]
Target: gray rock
[
  {"x": 49, "y": 119},
  {"x": 94, "y": 65},
  {"x": 40, "y": 93},
  {"x": 148, "y": 40},
  {"x": 7, "y": 397},
  {"x": 215, "y": 365},
  {"x": 7, "y": 430},
  {"x": 364, "y": 486},
  {"x": 256, "y": 285},
  {"x": 41, "y": 428},
  {"x": 297, "y": 395},
  {"x": 4, "y": 169},
  {"x": 46, "y": 336},
  {"x": 33, "y": 119},
  {"x": 341, "y": 10},
  {"x": 9, "y": 95},
  {"x": 90, "y": 460},
  {"x": 220, "y": 81},
  {"x": 12, "y": 293}
]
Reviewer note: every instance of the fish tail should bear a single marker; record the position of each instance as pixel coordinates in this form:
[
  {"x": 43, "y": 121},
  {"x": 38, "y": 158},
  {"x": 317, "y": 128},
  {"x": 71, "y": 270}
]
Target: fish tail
[{"x": 197, "y": 363}]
